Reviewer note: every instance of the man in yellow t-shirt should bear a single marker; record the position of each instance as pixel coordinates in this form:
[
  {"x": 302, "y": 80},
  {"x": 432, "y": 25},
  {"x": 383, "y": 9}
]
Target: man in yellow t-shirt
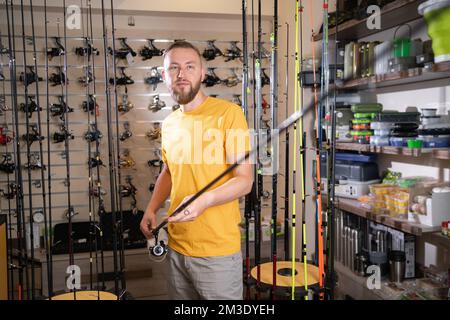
[{"x": 199, "y": 141}]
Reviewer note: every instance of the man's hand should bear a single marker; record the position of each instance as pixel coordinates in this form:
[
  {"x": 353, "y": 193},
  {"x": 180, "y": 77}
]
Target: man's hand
[
  {"x": 148, "y": 223},
  {"x": 194, "y": 210}
]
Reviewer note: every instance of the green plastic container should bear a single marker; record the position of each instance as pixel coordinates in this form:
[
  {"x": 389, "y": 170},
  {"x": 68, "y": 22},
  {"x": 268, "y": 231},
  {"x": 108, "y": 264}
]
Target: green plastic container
[
  {"x": 437, "y": 17},
  {"x": 415, "y": 143}
]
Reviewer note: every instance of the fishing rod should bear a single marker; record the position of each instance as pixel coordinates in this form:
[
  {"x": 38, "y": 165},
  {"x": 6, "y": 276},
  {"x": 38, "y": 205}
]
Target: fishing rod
[
  {"x": 41, "y": 154},
  {"x": 117, "y": 167},
  {"x": 110, "y": 144},
  {"x": 274, "y": 153},
  {"x": 28, "y": 140},
  {"x": 23, "y": 257},
  {"x": 286, "y": 175}
]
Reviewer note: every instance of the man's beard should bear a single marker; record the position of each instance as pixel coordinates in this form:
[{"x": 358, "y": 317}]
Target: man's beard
[{"x": 182, "y": 97}]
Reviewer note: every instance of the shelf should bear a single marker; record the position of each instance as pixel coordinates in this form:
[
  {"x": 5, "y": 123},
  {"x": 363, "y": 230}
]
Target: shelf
[
  {"x": 416, "y": 75},
  {"x": 437, "y": 153},
  {"x": 353, "y": 206},
  {"x": 392, "y": 14}
]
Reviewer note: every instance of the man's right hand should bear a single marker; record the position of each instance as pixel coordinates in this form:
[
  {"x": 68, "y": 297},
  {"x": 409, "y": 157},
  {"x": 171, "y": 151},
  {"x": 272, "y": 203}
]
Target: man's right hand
[{"x": 148, "y": 223}]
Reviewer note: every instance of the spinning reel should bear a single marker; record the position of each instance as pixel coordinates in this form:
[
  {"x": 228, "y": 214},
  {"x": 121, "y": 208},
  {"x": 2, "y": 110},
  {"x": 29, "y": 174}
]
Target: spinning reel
[
  {"x": 233, "y": 52},
  {"x": 58, "y": 78},
  {"x": 90, "y": 105},
  {"x": 87, "y": 50},
  {"x": 127, "y": 133},
  {"x": 34, "y": 162},
  {"x": 123, "y": 52},
  {"x": 93, "y": 134},
  {"x": 33, "y": 136},
  {"x": 56, "y": 51},
  {"x": 155, "y": 133},
  {"x": 29, "y": 77},
  {"x": 211, "y": 79},
  {"x": 129, "y": 191},
  {"x": 97, "y": 191},
  {"x": 125, "y": 106},
  {"x": 87, "y": 78},
  {"x": 7, "y": 166},
  {"x": 4, "y": 138},
  {"x": 211, "y": 52},
  {"x": 3, "y": 105},
  {"x": 154, "y": 78},
  {"x": 122, "y": 81},
  {"x": 157, "y": 104},
  {"x": 95, "y": 162},
  {"x": 157, "y": 247},
  {"x": 30, "y": 107},
  {"x": 60, "y": 109},
  {"x": 150, "y": 51},
  {"x": 70, "y": 213},
  {"x": 265, "y": 80},
  {"x": 232, "y": 80},
  {"x": 175, "y": 107},
  {"x": 59, "y": 137},
  {"x": 13, "y": 190},
  {"x": 126, "y": 161},
  {"x": 155, "y": 163}
]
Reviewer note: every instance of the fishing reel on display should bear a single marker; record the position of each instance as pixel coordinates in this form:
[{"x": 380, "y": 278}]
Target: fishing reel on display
[
  {"x": 127, "y": 133},
  {"x": 265, "y": 54},
  {"x": 58, "y": 110},
  {"x": 88, "y": 50},
  {"x": 97, "y": 191},
  {"x": 34, "y": 162},
  {"x": 124, "y": 80},
  {"x": 211, "y": 78},
  {"x": 232, "y": 80},
  {"x": 154, "y": 78},
  {"x": 123, "y": 52},
  {"x": 3, "y": 105},
  {"x": 175, "y": 107},
  {"x": 59, "y": 137},
  {"x": 265, "y": 80},
  {"x": 70, "y": 213},
  {"x": 237, "y": 99},
  {"x": 157, "y": 104},
  {"x": 151, "y": 51},
  {"x": 57, "y": 51},
  {"x": 33, "y": 136},
  {"x": 13, "y": 190},
  {"x": 4, "y": 137},
  {"x": 30, "y": 107},
  {"x": 233, "y": 52},
  {"x": 87, "y": 78},
  {"x": 155, "y": 133},
  {"x": 30, "y": 77},
  {"x": 156, "y": 163},
  {"x": 211, "y": 52},
  {"x": 90, "y": 105},
  {"x": 95, "y": 162},
  {"x": 125, "y": 106},
  {"x": 129, "y": 191},
  {"x": 157, "y": 246},
  {"x": 126, "y": 161},
  {"x": 58, "y": 78},
  {"x": 7, "y": 166},
  {"x": 93, "y": 134}
]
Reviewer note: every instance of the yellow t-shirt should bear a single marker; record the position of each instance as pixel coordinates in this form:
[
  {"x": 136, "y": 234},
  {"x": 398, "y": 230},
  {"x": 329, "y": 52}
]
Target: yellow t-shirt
[{"x": 195, "y": 147}]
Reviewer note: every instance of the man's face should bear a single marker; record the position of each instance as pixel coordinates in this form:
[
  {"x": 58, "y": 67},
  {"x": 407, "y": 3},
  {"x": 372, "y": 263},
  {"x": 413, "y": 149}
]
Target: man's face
[{"x": 183, "y": 73}]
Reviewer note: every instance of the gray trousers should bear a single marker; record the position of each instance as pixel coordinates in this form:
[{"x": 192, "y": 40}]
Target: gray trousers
[{"x": 205, "y": 278}]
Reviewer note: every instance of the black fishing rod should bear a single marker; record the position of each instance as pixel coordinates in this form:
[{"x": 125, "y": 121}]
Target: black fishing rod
[
  {"x": 287, "y": 158},
  {"x": 23, "y": 257},
  {"x": 41, "y": 153},
  {"x": 116, "y": 164}
]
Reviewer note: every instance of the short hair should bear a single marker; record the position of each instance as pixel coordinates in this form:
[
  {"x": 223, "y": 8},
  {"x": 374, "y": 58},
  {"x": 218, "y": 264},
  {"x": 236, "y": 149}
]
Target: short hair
[{"x": 182, "y": 44}]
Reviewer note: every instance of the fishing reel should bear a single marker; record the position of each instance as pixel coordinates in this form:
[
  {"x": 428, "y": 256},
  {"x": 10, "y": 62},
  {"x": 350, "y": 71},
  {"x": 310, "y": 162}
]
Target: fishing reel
[
  {"x": 90, "y": 104},
  {"x": 154, "y": 78},
  {"x": 127, "y": 133},
  {"x": 232, "y": 80},
  {"x": 97, "y": 191},
  {"x": 157, "y": 104},
  {"x": 13, "y": 190},
  {"x": 157, "y": 247},
  {"x": 211, "y": 79},
  {"x": 123, "y": 52},
  {"x": 60, "y": 109},
  {"x": 265, "y": 80},
  {"x": 30, "y": 107},
  {"x": 88, "y": 50},
  {"x": 93, "y": 134},
  {"x": 34, "y": 162},
  {"x": 87, "y": 78},
  {"x": 4, "y": 138},
  {"x": 129, "y": 191},
  {"x": 126, "y": 161},
  {"x": 7, "y": 166},
  {"x": 56, "y": 51},
  {"x": 158, "y": 163},
  {"x": 3, "y": 105},
  {"x": 211, "y": 52},
  {"x": 151, "y": 51},
  {"x": 155, "y": 133},
  {"x": 58, "y": 78},
  {"x": 175, "y": 107},
  {"x": 124, "y": 80},
  {"x": 70, "y": 213},
  {"x": 29, "y": 77},
  {"x": 95, "y": 162},
  {"x": 233, "y": 52},
  {"x": 59, "y": 137},
  {"x": 237, "y": 99},
  {"x": 265, "y": 54},
  {"x": 125, "y": 105},
  {"x": 33, "y": 136}
]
